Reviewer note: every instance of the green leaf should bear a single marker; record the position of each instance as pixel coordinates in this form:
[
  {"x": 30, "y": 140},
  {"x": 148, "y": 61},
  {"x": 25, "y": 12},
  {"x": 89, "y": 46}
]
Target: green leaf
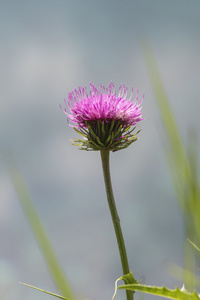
[
  {"x": 46, "y": 292},
  {"x": 195, "y": 246},
  {"x": 38, "y": 230},
  {"x": 128, "y": 279},
  {"x": 182, "y": 161},
  {"x": 162, "y": 291},
  {"x": 181, "y": 273}
]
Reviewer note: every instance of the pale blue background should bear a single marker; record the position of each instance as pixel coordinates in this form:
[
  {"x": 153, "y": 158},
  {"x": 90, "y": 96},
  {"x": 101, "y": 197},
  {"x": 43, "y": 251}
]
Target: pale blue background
[{"x": 47, "y": 48}]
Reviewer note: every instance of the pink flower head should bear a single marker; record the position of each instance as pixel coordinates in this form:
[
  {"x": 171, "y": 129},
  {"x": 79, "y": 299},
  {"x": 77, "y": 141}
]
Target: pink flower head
[{"x": 102, "y": 117}]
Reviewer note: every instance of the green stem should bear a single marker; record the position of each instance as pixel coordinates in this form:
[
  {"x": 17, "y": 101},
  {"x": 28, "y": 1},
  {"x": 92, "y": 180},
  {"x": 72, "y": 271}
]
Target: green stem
[{"x": 115, "y": 218}]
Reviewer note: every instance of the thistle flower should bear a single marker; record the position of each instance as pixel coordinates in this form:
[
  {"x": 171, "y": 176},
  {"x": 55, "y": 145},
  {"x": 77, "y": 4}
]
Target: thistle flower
[{"x": 103, "y": 118}]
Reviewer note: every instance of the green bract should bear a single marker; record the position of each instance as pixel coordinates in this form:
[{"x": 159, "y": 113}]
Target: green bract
[{"x": 106, "y": 136}]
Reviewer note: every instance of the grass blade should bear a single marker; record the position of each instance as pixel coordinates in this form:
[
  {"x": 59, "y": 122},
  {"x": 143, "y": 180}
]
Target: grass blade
[{"x": 40, "y": 234}]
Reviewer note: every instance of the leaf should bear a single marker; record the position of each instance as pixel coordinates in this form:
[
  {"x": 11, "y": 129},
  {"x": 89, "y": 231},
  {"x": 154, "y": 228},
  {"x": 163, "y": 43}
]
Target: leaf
[
  {"x": 181, "y": 273},
  {"x": 128, "y": 279},
  {"x": 38, "y": 229},
  {"x": 162, "y": 291},
  {"x": 46, "y": 292},
  {"x": 182, "y": 161},
  {"x": 195, "y": 246}
]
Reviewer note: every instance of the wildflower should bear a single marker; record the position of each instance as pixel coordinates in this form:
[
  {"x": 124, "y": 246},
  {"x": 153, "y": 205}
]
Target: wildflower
[{"x": 103, "y": 118}]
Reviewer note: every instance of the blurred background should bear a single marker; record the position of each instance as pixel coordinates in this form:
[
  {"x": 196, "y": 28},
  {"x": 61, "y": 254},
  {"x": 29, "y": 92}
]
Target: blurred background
[{"x": 48, "y": 48}]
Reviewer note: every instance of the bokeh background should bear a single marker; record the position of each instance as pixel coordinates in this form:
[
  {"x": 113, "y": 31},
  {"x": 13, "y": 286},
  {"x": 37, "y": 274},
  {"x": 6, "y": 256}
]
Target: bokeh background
[{"x": 47, "y": 48}]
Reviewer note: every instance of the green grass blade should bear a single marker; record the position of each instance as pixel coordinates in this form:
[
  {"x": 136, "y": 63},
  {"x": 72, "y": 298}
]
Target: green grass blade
[
  {"x": 183, "y": 164},
  {"x": 43, "y": 291},
  {"x": 171, "y": 129},
  {"x": 40, "y": 234},
  {"x": 181, "y": 273},
  {"x": 195, "y": 246}
]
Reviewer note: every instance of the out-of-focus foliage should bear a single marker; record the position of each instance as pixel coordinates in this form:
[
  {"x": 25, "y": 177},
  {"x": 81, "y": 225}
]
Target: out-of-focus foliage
[
  {"x": 183, "y": 164},
  {"x": 40, "y": 234}
]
